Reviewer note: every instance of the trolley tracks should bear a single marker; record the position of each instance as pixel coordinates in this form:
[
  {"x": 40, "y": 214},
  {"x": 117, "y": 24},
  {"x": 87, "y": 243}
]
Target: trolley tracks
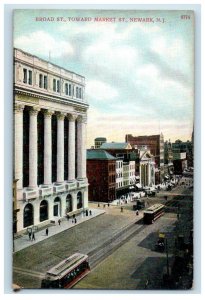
[{"x": 112, "y": 244}]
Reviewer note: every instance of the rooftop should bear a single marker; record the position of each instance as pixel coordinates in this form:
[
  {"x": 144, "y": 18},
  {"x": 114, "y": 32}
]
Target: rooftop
[
  {"x": 113, "y": 145},
  {"x": 100, "y": 139},
  {"x": 99, "y": 155}
]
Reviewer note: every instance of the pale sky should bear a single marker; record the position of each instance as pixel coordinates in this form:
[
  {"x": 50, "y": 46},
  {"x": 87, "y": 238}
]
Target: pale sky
[{"x": 139, "y": 75}]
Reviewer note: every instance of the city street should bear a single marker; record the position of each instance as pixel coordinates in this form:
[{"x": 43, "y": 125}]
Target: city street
[{"x": 131, "y": 264}]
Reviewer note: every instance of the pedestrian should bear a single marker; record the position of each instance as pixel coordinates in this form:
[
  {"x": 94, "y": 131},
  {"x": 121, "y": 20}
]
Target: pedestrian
[
  {"x": 90, "y": 212},
  {"x": 137, "y": 212},
  {"x": 33, "y": 237},
  {"x": 146, "y": 284},
  {"x": 47, "y": 231},
  {"x": 29, "y": 235},
  {"x": 75, "y": 220},
  {"x": 108, "y": 204},
  {"x": 59, "y": 222},
  {"x": 121, "y": 209},
  {"x": 98, "y": 204}
]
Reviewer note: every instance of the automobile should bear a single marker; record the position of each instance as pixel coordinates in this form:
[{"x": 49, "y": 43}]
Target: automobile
[
  {"x": 135, "y": 196},
  {"x": 142, "y": 194},
  {"x": 160, "y": 246}
]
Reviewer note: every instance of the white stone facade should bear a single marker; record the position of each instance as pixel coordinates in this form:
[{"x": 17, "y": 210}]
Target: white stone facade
[
  {"x": 119, "y": 174},
  {"x": 42, "y": 87},
  {"x": 132, "y": 172},
  {"x": 128, "y": 173},
  {"x": 147, "y": 167}
]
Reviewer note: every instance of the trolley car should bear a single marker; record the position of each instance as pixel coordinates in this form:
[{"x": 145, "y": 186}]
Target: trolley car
[
  {"x": 152, "y": 213},
  {"x": 67, "y": 273}
]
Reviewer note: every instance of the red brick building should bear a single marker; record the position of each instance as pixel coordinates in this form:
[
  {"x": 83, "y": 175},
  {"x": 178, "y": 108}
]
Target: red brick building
[
  {"x": 156, "y": 145},
  {"x": 101, "y": 172}
]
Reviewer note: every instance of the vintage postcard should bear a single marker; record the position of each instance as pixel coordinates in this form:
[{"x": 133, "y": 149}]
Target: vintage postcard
[{"x": 103, "y": 149}]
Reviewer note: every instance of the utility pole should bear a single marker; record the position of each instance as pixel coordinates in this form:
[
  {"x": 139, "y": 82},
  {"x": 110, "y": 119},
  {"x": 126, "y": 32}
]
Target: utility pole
[{"x": 167, "y": 257}]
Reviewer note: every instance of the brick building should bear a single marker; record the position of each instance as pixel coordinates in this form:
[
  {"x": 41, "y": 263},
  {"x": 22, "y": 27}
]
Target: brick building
[{"x": 101, "y": 173}]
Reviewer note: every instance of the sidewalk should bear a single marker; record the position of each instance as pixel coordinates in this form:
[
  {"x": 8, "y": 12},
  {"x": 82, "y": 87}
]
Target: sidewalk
[{"x": 23, "y": 241}]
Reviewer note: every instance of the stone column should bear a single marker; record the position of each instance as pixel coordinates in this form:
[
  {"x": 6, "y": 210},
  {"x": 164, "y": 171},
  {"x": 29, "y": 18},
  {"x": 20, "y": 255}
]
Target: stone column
[
  {"x": 81, "y": 151},
  {"x": 18, "y": 145},
  {"x": 33, "y": 154},
  {"x": 71, "y": 148},
  {"x": 60, "y": 147},
  {"x": 47, "y": 147},
  {"x": 149, "y": 173}
]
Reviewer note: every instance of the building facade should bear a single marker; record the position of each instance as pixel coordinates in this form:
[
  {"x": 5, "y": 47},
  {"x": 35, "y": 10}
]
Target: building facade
[
  {"x": 101, "y": 172},
  {"x": 125, "y": 154},
  {"x": 50, "y": 113},
  {"x": 99, "y": 141},
  {"x": 146, "y": 167},
  {"x": 156, "y": 145},
  {"x": 183, "y": 147},
  {"x": 119, "y": 175}
]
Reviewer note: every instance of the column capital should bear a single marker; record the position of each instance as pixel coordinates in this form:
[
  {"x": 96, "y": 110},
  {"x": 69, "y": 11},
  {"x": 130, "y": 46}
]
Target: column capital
[
  {"x": 18, "y": 108},
  {"x": 34, "y": 110},
  {"x": 82, "y": 118},
  {"x": 48, "y": 113},
  {"x": 60, "y": 115},
  {"x": 72, "y": 117}
]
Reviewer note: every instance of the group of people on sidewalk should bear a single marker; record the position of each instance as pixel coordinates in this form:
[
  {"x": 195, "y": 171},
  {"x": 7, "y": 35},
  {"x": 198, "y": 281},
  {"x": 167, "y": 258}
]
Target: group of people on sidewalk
[{"x": 31, "y": 236}]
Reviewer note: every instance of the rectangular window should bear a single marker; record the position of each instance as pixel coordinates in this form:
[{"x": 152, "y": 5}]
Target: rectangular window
[
  {"x": 70, "y": 89},
  {"x": 24, "y": 75},
  {"x": 54, "y": 85},
  {"x": 66, "y": 88},
  {"x": 77, "y": 92},
  {"x": 40, "y": 80},
  {"x": 45, "y": 82},
  {"x": 30, "y": 77},
  {"x": 58, "y": 86},
  {"x": 80, "y": 93}
]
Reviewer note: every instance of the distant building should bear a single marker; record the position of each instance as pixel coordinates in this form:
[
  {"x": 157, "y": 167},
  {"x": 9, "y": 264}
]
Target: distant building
[
  {"x": 146, "y": 167},
  {"x": 156, "y": 145},
  {"x": 119, "y": 176},
  {"x": 183, "y": 147},
  {"x": 118, "y": 149},
  {"x": 99, "y": 141},
  {"x": 101, "y": 173},
  {"x": 168, "y": 159},
  {"x": 123, "y": 152}
]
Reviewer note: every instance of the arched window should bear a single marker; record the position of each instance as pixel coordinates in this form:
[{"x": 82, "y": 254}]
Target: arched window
[
  {"x": 43, "y": 211},
  {"x": 79, "y": 200},
  {"x": 69, "y": 206},
  {"x": 57, "y": 207},
  {"x": 28, "y": 215}
]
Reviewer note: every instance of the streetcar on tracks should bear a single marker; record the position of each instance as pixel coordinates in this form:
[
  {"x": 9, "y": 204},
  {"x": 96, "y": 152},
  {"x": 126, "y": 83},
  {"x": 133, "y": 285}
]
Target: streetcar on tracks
[
  {"x": 67, "y": 273},
  {"x": 152, "y": 213}
]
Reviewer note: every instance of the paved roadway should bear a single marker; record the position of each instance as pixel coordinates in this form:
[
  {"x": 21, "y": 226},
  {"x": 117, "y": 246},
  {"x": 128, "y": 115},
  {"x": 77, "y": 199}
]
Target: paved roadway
[{"x": 125, "y": 268}]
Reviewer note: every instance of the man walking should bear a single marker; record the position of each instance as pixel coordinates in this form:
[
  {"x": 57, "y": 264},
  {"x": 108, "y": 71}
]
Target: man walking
[{"x": 33, "y": 237}]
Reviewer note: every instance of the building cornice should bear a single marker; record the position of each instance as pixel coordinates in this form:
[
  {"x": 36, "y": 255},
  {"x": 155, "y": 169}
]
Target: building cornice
[{"x": 52, "y": 98}]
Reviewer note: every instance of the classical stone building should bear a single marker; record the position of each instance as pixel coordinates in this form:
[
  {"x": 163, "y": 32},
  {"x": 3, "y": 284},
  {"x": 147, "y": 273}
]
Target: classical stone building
[
  {"x": 147, "y": 167},
  {"x": 50, "y": 114},
  {"x": 156, "y": 145}
]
